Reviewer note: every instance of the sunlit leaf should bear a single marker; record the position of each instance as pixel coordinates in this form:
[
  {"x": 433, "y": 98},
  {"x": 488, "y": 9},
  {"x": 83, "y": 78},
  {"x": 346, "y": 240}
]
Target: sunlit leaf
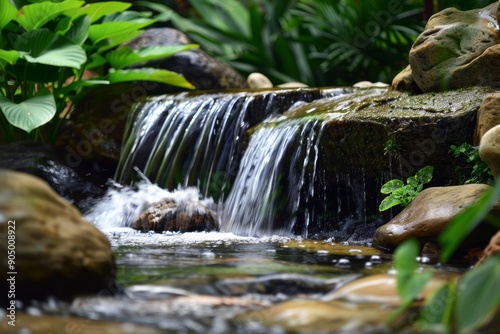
[
  {"x": 29, "y": 114},
  {"x": 37, "y": 15},
  {"x": 79, "y": 31},
  {"x": 7, "y": 14},
  {"x": 388, "y": 203},
  {"x": 97, "y": 10},
  {"x": 10, "y": 57},
  {"x": 150, "y": 74},
  {"x": 479, "y": 294},
  {"x": 424, "y": 175},
  {"x": 100, "y": 32},
  {"x": 125, "y": 56},
  {"x": 391, "y": 185},
  {"x": 42, "y": 46}
]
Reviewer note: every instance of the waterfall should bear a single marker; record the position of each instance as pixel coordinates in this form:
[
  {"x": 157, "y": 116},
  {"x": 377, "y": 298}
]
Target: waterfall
[{"x": 198, "y": 139}]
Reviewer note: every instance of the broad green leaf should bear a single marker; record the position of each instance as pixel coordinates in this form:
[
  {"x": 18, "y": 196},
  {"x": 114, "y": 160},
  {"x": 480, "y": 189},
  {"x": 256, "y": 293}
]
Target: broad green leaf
[
  {"x": 165, "y": 13},
  {"x": 116, "y": 40},
  {"x": 10, "y": 57},
  {"x": 37, "y": 15},
  {"x": 440, "y": 305},
  {"x": 29, "y": 114},
  {"x": 412, "y": 181},
  {"x": 466, "y": 221},
  {"x": 150, "y": 74},
  {"x": 97, "y": 10},
  {"x": 79, "y": 31},
  {"x": 479, "y": 294},
  {"x": 42, "y": 46},
  {"x": 66, "y": 90},
  {"x": 96, "y": 60},
  {"x": 424, "y": 175},
  {"x": 63, "y": 26},
  {"x": 409, "y": 282},
  {"x": 391, "y": 185},
  {"x": 100, "y": 32},
  {"x": 125, "y": 56},
  {"x": 8, "y": 13},
  {"x": 126, "y": 16},
  {"x": 388, "y": 203}
]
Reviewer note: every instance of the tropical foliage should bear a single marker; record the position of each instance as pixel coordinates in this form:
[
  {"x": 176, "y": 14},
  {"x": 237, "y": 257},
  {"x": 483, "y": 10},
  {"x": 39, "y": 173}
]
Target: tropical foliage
[{"x": 46, "y": 47}]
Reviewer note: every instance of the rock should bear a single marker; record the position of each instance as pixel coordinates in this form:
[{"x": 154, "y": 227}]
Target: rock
[
  {"x": 489, "y": 149},
  {"x": 57, "y": 252},
  {"x": 292, "y": 84},
  {"x": 258, "y": 80},
  {"x": 80, "y": 184},
  {"x": 203, "y": 71},
  {"x": 488, "y": 116},
  {"x": 381, "y": 289},
  {"x": 369, "y": 84},
  {"x": 404, "y": 82},
  {"x": 169, "y": 216},
  {"x": 457, "y": 49},
  {"x": 492, "y": 248},
  {"x": 430, "y": 212}
]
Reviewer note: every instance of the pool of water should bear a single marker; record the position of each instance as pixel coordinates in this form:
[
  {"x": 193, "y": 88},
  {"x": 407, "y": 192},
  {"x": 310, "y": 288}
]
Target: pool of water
[{"x": 223, "y": 283}]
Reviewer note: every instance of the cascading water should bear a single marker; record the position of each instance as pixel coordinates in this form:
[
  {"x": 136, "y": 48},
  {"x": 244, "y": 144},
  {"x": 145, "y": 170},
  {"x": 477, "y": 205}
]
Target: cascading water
[{"x": 198, "y": 139}]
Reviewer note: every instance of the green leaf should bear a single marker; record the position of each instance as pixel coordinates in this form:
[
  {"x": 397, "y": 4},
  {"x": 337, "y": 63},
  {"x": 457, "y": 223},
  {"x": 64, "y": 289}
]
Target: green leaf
[
  {"x": 388, "y": 203},
  {"x": 10, "y": 57},
  {"x": 116, "y": 40},
  {"x": 165, "y": 13},
  {"x": 96, "y": 60},
  {"x": 150, "y": 74},
  {"x": 439, "y": 306},
  {"x": 391, "y": 185},
  {"x": 97, "y": 10},
  {"x": 479, "y": 294},
  {"x": 74, "y": 86},
  {"x": 424, "y": 175},
  {"x": 466, "y": 221},
  {"x": 125, "y": 56},
  {"x": 37, "y": 15},
  {"x": 31, "y": 113},
  {"x": 126, "y": 16},
  {"x": 42, "y": 46},
  {"x": 409, "y": 281},
  {"x": 412, "y": 181},
  {"x": 100, "y": 32},
  {"x": 7, "y": 14},
  {"x": 79, "y": 31}
]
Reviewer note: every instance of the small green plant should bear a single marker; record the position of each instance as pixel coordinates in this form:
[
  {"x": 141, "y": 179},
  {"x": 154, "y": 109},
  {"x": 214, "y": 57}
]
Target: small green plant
[
  {"x": 391, "y": 147},
  {"x": 461, "y": 305},
  {"x": 47, "y": 46},
  {"x": 471, "y": 168},
  {"x": 401, "y": 194}
]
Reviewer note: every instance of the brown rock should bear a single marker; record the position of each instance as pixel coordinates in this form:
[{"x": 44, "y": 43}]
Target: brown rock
[
  {"x": 488, "y": 116},
  {"x": 258, "y": 80},
  {"x": 430, "y": 212},
  {"x": 457, "y": 49},
  {"x": 492, "y": 248},
  {"x": 57, "y": 253},
  {"x": 167, "y": 216},
  {"x": 489, "y": 149},
  {"x": 404, "y": 81}
]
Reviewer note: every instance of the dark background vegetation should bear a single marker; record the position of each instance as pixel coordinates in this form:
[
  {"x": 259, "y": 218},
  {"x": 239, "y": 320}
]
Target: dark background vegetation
[{"x": 317, "y": 42}]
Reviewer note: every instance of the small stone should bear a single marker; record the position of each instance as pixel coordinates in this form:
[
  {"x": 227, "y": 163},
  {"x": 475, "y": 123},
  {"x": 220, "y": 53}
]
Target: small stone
[
  {"x": 489, "y": 149},
  {"x": 292, "y": 84},
  {"x": 258, "y": 80}
]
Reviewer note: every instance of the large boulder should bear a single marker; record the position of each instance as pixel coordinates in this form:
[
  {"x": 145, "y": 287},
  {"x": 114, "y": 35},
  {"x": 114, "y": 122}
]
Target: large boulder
[
  {"x": 457, "y": 49},
  {"x": 203, "y": 71},
  {"x": 429, "y": 214},
  {"x": 57, "y": 253}
]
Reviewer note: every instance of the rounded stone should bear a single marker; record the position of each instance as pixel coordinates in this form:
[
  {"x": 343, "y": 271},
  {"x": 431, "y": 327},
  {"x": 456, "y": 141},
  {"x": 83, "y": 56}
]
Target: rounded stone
[
  {"x": 488, "y": 116},
  {"x": 57, "y": 252},
  {"x": 489, "y": 149},
  {"x": 258, "y": 80}
]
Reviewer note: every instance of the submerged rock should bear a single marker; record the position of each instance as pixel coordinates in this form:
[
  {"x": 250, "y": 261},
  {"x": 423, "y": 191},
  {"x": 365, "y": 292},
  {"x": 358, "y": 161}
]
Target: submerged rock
[
  {"x": 429, "y": 214},
  {"x": 489, "y": 149},
  {"x": 169, "y": 216},
  {"x": 57, "y": 252},
  {"x": 457, "y": 49}
]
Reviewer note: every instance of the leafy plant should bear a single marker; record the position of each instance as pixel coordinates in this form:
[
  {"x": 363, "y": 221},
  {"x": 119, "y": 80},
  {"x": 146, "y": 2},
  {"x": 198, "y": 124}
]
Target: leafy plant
[
  {"x": 46, "y": 47},
  {"x": 470, "y": 169},
  {"x": 401, "y": 194},
  {"x": 462, "y": 305}
]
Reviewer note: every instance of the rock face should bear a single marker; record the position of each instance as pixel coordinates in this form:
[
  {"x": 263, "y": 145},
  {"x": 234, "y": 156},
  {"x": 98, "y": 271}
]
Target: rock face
[
  {"x": 430, "y": 212},
  {"x": 489, "y": 149},
  {"x": 79, "y": 185},
  {"x": 488, "y": 116},
  {"x": 57, "y": 253},
  {"x": 203, "y": 71},
  {"x": 168, "y": 216},
  {"x": 458, "y": 49}
]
